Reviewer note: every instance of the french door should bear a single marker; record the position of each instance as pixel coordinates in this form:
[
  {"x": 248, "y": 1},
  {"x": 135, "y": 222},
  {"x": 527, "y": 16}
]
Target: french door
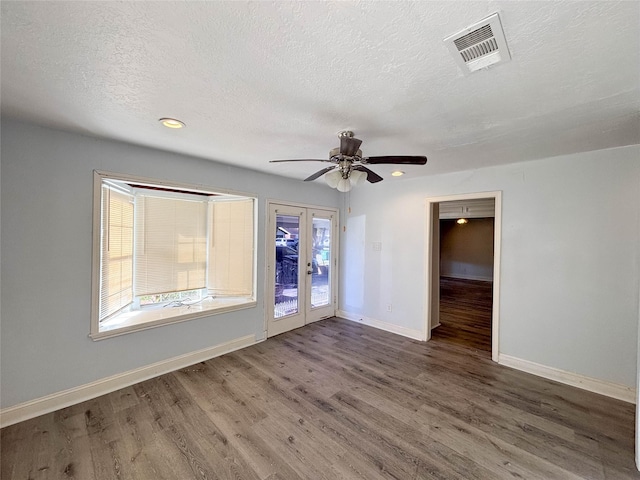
[{"x": 301, "y": 266}]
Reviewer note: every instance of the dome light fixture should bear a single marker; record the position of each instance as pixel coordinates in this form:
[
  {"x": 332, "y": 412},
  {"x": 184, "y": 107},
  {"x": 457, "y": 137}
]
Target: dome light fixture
[
  {"x": 397, "y": 173},
  {"x": 172, "y": 122}
]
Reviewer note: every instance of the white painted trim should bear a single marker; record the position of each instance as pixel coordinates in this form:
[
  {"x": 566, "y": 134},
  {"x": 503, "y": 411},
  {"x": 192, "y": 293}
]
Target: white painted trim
[
  {"x": 497, "y": 253},
  {"x": 613, "y": 390},
  {"x": 379, "y": 324},
  {"x": 637, "y": 429},
  {"x": 56, "y": 401},
  {"x": 201, "y": 187},
  {"x": 287, "y": 203},
  {"x": 147, "y": 324},
  {"x": 497, "y": 256},
  {"x": 431, "y": 302}
]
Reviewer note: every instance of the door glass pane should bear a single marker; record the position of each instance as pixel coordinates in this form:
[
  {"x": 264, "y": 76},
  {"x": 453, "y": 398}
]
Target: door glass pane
[
  {"x": 321, "y": 262},
  {"x": 286, "y": 292}
]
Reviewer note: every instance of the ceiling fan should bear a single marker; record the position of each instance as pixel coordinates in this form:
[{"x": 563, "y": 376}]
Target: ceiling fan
[{"x": 350, "y": 167}]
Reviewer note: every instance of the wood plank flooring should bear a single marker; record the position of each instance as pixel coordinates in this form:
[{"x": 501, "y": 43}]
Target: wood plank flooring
[
  {"x": 465, "y": 313},
  {"x": 332, "y": 400}
]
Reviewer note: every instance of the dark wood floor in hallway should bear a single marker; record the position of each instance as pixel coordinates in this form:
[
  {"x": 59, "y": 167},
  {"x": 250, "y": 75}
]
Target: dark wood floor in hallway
[
  {"x": 332, "y": 400},
  {"x": 465, "y": 313}
]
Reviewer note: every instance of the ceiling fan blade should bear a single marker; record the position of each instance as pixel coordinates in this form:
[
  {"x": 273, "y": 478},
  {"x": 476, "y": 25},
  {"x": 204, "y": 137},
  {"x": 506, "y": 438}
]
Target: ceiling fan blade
[
  {"x": 349, "y": 146},
  {"x": 372, "y": 177},
  {"x": 319, "y": 174},
  {"x": 302, "y": 160},
  {"x": 396, "y": 159}
]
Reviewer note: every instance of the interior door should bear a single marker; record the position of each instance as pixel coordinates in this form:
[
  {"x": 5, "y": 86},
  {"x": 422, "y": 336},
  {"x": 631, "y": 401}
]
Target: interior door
[{"x": 301, "y": 266}]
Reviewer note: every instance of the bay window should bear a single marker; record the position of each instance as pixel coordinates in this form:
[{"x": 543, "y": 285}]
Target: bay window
[{"x": 165, "y": 252}]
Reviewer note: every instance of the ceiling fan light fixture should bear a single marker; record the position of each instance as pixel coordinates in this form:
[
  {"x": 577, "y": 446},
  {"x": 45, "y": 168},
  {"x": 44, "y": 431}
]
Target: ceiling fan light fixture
[
  {"x": 397, "y": 173},
  {"x": 357, "y": 177},
  {"x": 332, "y": 178},
  {"x": 344, "y": 185}
]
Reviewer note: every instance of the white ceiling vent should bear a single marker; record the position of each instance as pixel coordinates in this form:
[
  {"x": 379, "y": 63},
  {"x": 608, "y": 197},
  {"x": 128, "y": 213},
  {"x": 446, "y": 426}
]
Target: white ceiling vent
[{"x": 480, "y": 45}]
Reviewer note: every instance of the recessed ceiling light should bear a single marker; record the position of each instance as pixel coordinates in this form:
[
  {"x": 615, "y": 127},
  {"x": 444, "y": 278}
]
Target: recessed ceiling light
[
  {"x": 171, "y": 122},
  {"x": 397, "y": 173}
]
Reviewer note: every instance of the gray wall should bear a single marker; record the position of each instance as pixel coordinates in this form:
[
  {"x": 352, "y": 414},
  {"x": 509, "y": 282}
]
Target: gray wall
[
  {"x": 569, "y": 272},
  {"x": 466, "y": 251},
  {"x": 46, "y": 209},
  {"x": 570, "y": 258}
]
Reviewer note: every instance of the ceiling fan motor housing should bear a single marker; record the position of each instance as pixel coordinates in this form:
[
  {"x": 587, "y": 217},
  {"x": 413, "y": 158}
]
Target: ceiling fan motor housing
[
  {"x": 335, "y": 153},
  {"x": 345, "y": 162}
]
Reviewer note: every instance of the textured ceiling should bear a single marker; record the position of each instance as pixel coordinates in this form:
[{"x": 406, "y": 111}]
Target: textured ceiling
[{"x": 256, "y": 81}]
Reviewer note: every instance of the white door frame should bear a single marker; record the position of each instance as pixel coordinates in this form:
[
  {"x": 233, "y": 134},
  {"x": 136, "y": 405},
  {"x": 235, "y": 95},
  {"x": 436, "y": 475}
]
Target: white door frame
[
  {"x": 432, "y": 248},
  {"x": 268, "y": 280}
]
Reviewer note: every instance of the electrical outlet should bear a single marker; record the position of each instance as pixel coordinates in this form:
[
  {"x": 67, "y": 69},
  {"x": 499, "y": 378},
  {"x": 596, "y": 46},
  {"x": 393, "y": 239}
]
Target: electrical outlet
[
  {"x": 377, "y": 246},
  {"x": 389, "y": 309}
]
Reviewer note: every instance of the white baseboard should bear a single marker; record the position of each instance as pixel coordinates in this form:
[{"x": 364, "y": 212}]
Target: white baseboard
[
  {"x": 614, "y": 390},
  {"x": 56, "y": 401},
  {"x": 387, "y": 327}
]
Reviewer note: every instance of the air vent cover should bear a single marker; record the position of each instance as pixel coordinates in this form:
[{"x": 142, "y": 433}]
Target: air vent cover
[{"x": 480, "y": 45}]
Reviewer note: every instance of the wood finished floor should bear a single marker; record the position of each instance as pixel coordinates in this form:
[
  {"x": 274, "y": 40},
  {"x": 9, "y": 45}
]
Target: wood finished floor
[
  {"x": 465, "y": 313},
  {"x": 331, "y": 400}
]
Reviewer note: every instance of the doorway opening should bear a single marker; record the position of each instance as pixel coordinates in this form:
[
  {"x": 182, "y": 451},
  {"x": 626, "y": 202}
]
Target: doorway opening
[
  {"x": 466, "y": 276},
  {"x": 463, "y": 237}
]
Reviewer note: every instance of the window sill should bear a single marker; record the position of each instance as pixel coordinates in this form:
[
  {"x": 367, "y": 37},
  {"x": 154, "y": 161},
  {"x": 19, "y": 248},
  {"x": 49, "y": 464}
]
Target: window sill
[{"x": 135, "y": 321}]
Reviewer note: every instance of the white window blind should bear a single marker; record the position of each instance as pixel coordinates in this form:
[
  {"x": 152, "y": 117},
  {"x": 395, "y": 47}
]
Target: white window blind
[
  {"x": 230, "y": 271},
  {"x": 116, "y": 275},
  {"x": 171, "y": 244}
]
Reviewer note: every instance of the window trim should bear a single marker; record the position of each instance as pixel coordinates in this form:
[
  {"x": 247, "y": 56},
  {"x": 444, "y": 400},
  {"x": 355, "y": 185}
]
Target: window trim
[{"x": 98, "y": 177}]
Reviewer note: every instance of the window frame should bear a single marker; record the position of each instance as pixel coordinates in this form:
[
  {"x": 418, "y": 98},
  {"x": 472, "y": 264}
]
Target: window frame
[{"x": 224, "y": 305}]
